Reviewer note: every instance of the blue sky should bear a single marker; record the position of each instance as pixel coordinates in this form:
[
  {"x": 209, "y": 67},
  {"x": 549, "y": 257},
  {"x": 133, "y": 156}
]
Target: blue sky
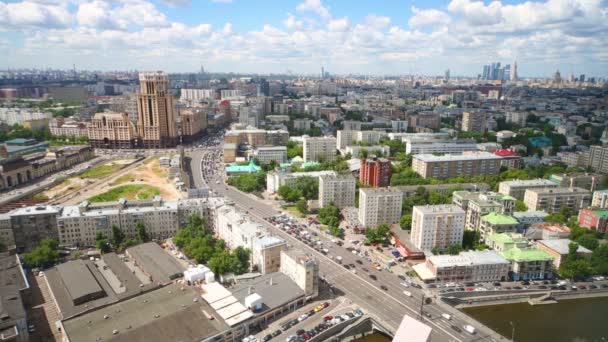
[{"x": 346, "y": 36}]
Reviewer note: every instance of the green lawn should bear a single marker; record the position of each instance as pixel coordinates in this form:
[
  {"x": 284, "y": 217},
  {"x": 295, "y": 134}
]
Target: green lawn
[
  {"x": 130, "y": 192},
  {"x": 100, "y": 171},
  {"x": 292, "y": 210},
  {"x": 123, "y": 179}
]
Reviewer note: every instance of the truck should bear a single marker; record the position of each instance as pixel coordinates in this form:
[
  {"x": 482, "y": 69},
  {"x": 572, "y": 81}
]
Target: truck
[
  {"x": 446, "y": 316},
  {"x": 469, "y": 328},
  {"x": 325, "y": 251}
]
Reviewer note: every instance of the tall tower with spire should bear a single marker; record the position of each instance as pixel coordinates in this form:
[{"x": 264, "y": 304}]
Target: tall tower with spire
[{"x": 514, "y": 72}]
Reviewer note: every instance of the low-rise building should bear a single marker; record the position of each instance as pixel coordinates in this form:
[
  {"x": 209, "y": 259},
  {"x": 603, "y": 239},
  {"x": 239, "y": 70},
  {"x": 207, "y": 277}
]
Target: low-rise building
[
  {"x": 379, "y": 205},
  {"x": 529, "y": 264},
  {"x": 510, "y": 158},
  {"x": 494, "y": 223},
  {"x": 478, "y": 204},
  {"x": 553, "y": 200},
  {"x": 301, "y": 124},
  {"x": 266, "y": 154},
  {"x": 517, "y": 188},
  {"x": 448, "y": 166},
  {"x": 302, "y": 268},
  {"x": 68, "y": 127},
  {"x": 111, "y": 130},
  {"x": 558, "y": 249},
  {"x": 528, "y": 218},
  {"x": 276, "y": 179},
  {"x": 357, "y": 151},
  {"x": 473, "y": 266},
  {"x": 339, "y": 190},
  {"x": 437, "y": 226},
  {"x": 596, "y": 219}
]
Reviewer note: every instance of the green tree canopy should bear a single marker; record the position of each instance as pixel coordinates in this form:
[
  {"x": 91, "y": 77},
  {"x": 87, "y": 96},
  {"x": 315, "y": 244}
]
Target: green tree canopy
[{"x": 44, "y": 255}]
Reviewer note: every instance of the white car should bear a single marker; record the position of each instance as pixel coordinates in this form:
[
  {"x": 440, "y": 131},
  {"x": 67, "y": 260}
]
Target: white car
[
  {"x": 405, "y": 284},
  {"x": 407, "y": 293}
]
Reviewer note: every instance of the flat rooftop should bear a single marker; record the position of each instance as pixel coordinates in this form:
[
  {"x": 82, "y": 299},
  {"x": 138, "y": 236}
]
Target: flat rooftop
[
  {"x": 157, "y": 263},
  {"x": 276, "y": 289},
  {"x": 439, "y": 208},
  {"x": 561, "y": 246},
  {"x": 472, "y": 258},
  {"x": 456, "y": 157},
  {"x": 529, "y": 182},
  {"x": 78, "y": 280},
  {"x": 11, "y": 272},
  {"x": 171, "y": 313}
]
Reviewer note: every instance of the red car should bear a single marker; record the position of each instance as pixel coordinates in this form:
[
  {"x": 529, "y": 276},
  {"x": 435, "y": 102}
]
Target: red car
[
  {"x": 325, "y": 304},
  {"x": 306, "y": 336},
  {"x": 328, "y": 318}
]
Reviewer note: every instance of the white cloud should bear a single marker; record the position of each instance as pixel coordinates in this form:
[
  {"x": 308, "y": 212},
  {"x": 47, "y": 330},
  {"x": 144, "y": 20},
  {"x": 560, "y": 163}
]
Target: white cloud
[
  {"x": 377, "y": 22},
  {"x": 29, "y": 14},
  {"x": 315, "y": 6},
  {"x": 113, "y": 34},
  {"x": 292, "y": 23},
  {"x": 338, "y": 24},
  {"x": 428, "y": 18}
]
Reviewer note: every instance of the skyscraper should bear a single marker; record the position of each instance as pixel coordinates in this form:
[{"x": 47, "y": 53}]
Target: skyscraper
[
  {"x": 447, "y": 76},
  {"x": 514, "y": 72},
  {"x": 156, "y": 113},
  {"x": 494, "y": 72}
]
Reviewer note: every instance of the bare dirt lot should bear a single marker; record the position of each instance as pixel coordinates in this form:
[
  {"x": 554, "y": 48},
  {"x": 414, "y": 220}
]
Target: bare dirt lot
[{"x": 149, "y": 172}]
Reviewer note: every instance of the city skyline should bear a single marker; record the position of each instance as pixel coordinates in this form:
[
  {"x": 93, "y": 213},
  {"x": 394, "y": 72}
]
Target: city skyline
[{"x": 301, "y": 37}]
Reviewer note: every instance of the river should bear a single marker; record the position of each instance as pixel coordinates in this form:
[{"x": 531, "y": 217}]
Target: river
[{"x": 578, "y": 320}]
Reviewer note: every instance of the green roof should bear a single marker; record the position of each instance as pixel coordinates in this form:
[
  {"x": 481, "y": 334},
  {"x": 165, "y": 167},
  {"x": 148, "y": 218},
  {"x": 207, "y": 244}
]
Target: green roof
[
  {"x": 601, "y": 213},
  {"x": 499, "y": 219},
  {"x": 526, "y": 254},
  {"x": 249, "y": 168},
  {"x": 507, "y": 197}
]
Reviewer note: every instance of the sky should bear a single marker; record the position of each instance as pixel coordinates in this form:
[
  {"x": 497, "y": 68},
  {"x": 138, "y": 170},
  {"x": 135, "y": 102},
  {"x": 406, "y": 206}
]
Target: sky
[{"x": 375, "y": 37}]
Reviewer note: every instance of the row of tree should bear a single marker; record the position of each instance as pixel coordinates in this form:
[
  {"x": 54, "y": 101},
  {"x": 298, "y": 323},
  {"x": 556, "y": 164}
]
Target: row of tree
[
  {"x": 118, "y": 241},
  {"x": 251, "y": 182},
  {"x": 330, "y": 216}
]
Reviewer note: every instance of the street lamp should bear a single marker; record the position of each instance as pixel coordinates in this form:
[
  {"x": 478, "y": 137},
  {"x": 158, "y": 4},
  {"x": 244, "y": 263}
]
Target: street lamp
[{"x": 512, "y": 331}]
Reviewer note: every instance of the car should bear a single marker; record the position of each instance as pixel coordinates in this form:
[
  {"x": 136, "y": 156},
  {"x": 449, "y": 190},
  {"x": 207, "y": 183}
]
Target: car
[
  {"x": 318, "y": 308},
  {"x": 365, "y": 269},
  {"x": 306, "y": 336},
  {"x": 310, "y": 313},
  {"x": 328, "y": 318},
  {"x": 303, "y": 317},
  {"x": 276, "y": 333},
  {"x": 457, "y": 329},
  {"x": 359, "y": 262},
  {"x": 542, "y": 287},
  {"x": 325, "y": 304},
  {"x": 401, "y": 277},
  {"x": 300, "y": 332},
  {"x": 517, "y": 287},
  {"x": 592, "y": 287},
  {"x": 384, "y": 287},
  {"x": 267, "y": 338},
  {"x": 582, "y": 287},
  {"x": 373, "y": 277}
]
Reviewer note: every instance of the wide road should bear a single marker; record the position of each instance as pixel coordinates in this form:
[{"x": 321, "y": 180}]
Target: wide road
[{"x": 388, "y": 306}]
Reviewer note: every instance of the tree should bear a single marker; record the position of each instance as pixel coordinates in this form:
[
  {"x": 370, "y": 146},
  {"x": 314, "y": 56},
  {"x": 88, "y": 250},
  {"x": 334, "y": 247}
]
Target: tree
[
  {"x": 220, "y": 263},
  {"x": 240, "y": 260},
  {"x": 588, "y": 241},
  {"x": 520, "y": 206},
  {"x": 330, "y": 215},
  {"x": 435, "y": 250},
  {"x": 100, "y": 236},
  {"x": 454, "y": 249},
  {"x": 470, "y": 239},
  {"x": 289, "y": 193},
  {"x": 117, "y": 236},
  {"x": 406, "y": 221},
  {"x": 302, "y": 206},
  {"x": 44, "y": 255},
  {"x": 142, "y": 234},
  {"x": 599, "y": 260},
  {"x": 573, "y": 266},
  {"x": 103, "y": 246},
  {"x": 308, "y": 186}
]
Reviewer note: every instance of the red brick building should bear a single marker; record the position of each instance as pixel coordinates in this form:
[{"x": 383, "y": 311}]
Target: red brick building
[
  {"x": 593, "y": 219},
  {"x": 375, "y": 172}
]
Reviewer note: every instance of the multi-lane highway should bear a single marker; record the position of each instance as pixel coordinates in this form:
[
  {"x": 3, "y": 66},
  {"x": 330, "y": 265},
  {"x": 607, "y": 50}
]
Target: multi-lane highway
[{"x": 388, "y": 306}]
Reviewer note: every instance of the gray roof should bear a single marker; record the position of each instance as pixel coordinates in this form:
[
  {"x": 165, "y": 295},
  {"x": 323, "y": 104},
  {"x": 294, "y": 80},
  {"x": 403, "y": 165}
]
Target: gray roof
[
  {"x": 11, "y": 307},
  {"x": 561, "y": 246},
  {"x": 282, "y": 290},
  {"x": 78, "y": 279},
  {"x": 166, "y": 314},
  {"x": 11, "y": 273},
  {"x": 157, "y": 263}
]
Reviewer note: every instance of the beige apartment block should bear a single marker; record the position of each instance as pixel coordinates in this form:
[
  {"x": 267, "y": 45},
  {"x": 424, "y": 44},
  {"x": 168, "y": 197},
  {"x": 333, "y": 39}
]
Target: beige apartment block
[
  {"x": 111, "y": 130},
  {"x": 339, "y": 190},
  {"x": 448, "y": 166},
  {"x": 437, "y": 226},
  {"x": 379, "y": 205},
  {"x": 156, "y": 112},
  {"x": 552, "y": 200},
  {"x": 319, "y": 149}
]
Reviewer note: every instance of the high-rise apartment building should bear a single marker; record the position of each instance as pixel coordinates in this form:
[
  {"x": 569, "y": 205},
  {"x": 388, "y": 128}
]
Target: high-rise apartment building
[
  {"x": 598, "y": 158},
  {"x": 379, "y": 205},
  {"x": 517, "y": 188},
  {"x": 156, "y": 113},
  {"x": 474, "y": 121},
  {"x": 339, "y": 190},
  {"x": 437, "y": 226},
  {"x": 319, "y": 149},
  {"x": 193, "y": 123},
  {"x": 375, "y": 172}
]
